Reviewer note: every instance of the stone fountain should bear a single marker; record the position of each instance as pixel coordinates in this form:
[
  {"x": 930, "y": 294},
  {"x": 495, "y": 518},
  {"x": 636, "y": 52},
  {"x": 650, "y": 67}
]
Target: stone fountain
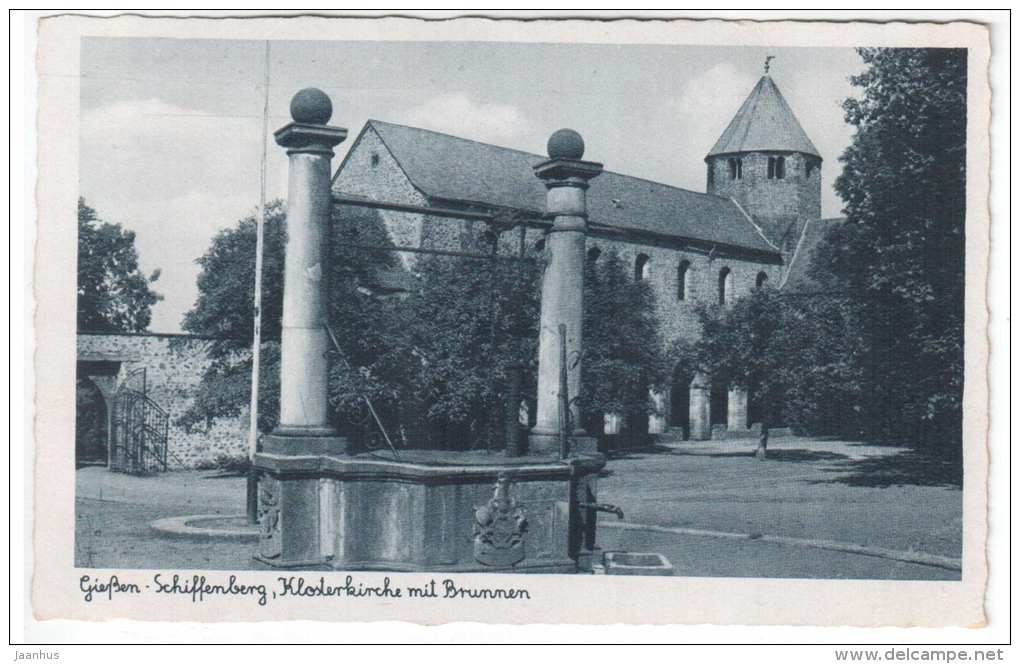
[{"x": 323, "y": 504}]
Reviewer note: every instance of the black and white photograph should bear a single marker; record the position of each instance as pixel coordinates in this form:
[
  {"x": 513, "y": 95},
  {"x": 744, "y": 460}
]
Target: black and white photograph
[{"x": 487, "y": 310}]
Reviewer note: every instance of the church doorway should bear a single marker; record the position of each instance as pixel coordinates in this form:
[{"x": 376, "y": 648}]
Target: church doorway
[
  {"x": 719, "y": 404},
  {"x": 680, "y": 401},
  {"x": 91, "y": 433}
]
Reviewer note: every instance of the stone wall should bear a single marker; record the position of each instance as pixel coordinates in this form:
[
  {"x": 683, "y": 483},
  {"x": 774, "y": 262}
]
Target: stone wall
[
  {"x": 370, "y": 171},
  {"x": 173, "y": 365},
  {"x": 779, "y": 206},
  {"x": 678, "y": 316}
]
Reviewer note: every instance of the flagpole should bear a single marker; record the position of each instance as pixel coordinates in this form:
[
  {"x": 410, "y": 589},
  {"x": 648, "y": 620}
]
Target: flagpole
[{"x": 256, "y": 344}]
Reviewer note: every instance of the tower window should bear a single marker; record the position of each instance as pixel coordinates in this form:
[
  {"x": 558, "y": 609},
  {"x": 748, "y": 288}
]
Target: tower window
[
  {"x": 593, "y": 254},
  {"x": 725, "y": 285},
  {"x": 736, "y": 169},
  {"x": 641, "y": 267},
  {"x": 681, "y": 280},
  {"x": 761, "y": 279},
  {"x": 777, "y": 168},
  {"x": 809, "y": 167}
]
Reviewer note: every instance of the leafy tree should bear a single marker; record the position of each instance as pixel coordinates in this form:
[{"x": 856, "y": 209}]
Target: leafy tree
[
  {"x": 624, "y": 350},
  {"x": 436, "y": 361},
  {"x": 113, "y": 294},
  {"x": 743, "y": 345},
  {"x": 899, "y": 258},
  {"x": 225, "y": 307},
  {"x": 796, "y": 354},
  {"x": 471, "y": 323},
  {"x": 826, "y": 386}
]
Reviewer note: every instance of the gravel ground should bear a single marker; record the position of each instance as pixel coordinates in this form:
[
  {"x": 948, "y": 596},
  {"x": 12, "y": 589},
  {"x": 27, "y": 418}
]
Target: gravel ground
[{"x": 829, "y": 490}]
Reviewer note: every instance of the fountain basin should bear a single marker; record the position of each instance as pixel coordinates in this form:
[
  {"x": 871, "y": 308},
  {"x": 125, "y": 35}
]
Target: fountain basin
[{"x": 428, "y": 511}]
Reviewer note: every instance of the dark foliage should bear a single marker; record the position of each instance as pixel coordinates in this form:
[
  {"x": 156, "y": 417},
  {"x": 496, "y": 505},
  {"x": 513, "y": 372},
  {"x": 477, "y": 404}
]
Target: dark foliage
[
  {"x": 113, "y": 294},
  {"x": 435, "y": 361},
  {"x": 225, "y": 308},
  {"x": 624, "y": 352},
  {"x": 899, "y": 258}
]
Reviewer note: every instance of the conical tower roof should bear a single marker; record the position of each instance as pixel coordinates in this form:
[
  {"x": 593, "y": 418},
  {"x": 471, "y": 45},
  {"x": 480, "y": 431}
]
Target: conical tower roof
[{"x": 765, "y": 122}]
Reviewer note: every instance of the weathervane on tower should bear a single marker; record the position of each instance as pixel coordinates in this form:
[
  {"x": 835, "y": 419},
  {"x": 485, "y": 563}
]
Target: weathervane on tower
[{"x": 768, "y": 59}]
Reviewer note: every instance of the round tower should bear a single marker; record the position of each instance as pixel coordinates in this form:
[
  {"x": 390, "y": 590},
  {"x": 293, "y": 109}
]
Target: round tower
[{"x": 765, "y": 161}]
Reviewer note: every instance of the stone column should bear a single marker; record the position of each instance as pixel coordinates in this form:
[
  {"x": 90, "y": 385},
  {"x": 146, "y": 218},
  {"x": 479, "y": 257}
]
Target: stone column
[
  {"x": 658, "y": 420},
  {"x": 612, "y": 424},
  {"x": 304, "y": 407},
  {"x": 736, "y": 414},
  {"x": 701, "y": 404},
  {"x": 566, "y": 179}
]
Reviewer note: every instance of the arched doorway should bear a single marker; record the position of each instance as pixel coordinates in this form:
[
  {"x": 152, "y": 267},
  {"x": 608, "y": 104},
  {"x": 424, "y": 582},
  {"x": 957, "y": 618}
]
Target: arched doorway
[
  {"x": 91, "y": 430},
  {"x": 720, "y": 404},
  {"x": 680, "y": 400}
]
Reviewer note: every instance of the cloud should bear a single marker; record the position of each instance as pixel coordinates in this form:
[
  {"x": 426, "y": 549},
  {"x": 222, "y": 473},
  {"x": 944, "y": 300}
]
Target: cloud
[
  {"x": 707, "y": 102},
  {"x": 175, "y": 176},
  {"x": 458, "y": 114}
]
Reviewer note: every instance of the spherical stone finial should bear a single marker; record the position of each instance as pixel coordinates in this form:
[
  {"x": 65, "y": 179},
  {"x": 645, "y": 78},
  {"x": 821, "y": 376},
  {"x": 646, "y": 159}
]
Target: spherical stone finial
[
  {"x": 565, "y": 144},
  {"x": 311, "y": 106}
]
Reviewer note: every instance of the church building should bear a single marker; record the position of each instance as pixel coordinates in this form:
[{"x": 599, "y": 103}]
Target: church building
[{"x": 762, "y": 205}]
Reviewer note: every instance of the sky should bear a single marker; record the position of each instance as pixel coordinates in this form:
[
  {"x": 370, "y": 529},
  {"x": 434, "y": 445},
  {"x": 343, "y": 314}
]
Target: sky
[{"x": 171, "y": 129}]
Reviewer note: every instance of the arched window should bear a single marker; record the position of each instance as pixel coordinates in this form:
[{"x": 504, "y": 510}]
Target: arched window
[
  {"x": 725, "y": 285},
  {"x": 641, "y": 267},
  {"x": 593, "y": 254},
  {"x": 681, "y": 279},
  {"x": 777, "y": 168},
  {"x": 760, "y": 280},
  {"x": 736, "y": 168},
  {"x": 540, "y": 245}
]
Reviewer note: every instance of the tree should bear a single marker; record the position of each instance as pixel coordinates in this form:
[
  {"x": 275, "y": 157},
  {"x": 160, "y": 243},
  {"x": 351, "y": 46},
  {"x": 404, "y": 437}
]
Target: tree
[
  {"x": 624, "y": 355},
  {"x": 743, "y": 345},
  {"x": 899, "y": 258},
  {"x": 225, "y": 308},
  {"x": 436, "y": 362},
  {"x": 796, "y": 354},
  {"x": 113, "y": 293},
  {"x": 471, "y": 323}
]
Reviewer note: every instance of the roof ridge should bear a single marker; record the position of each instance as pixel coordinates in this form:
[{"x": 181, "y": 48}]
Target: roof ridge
[
  {"x": 533, "y": 154},
  {"x": 459, "y": 138}
]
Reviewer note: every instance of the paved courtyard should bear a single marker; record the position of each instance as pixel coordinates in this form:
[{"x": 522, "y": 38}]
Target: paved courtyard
[{"x": 814, "y": 509}]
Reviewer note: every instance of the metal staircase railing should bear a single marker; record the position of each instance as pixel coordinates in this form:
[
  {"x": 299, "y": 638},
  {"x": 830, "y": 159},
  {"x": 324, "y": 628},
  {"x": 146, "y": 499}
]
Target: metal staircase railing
[{"x": 141, "y": 428}]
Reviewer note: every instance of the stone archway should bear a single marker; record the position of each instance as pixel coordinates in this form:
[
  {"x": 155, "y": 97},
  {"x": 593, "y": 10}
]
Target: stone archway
[
  {"x": 91, "y": 425},
  {"x": 680, "y": 401},
  {"x": 95, "y": 388}
]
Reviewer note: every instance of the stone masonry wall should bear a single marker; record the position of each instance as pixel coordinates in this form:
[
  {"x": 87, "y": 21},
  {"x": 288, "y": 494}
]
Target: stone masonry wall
[
  {"x": 779, "y": 206},
  {"x": 174, "y": 366},
  {"x": 679, "y": 318},
  {"x": 369, "y": 170}
]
